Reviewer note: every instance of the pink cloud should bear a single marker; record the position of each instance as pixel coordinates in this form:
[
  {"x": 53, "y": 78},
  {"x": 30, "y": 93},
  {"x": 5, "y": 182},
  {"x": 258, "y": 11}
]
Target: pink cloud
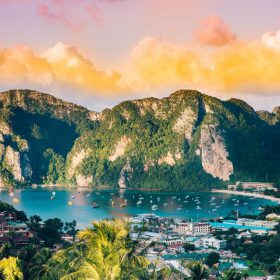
[
  {"x": 215, "y": 32},
  {"x": 72, "y": 14}
]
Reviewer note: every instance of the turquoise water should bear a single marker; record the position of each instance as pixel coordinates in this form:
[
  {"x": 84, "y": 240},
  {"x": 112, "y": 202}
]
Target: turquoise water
[{"x": 38, "y": 201}]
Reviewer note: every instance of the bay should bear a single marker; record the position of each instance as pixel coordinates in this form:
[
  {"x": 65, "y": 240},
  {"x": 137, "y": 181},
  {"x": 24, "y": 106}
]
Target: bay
[{"x": 74, "y": 204}]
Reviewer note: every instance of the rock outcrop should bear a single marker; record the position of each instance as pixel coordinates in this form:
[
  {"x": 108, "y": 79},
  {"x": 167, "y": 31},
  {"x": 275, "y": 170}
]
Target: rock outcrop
[{"x": 214, "y": 155}]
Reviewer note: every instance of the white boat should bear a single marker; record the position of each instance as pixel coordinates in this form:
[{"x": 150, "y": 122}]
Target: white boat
[
  {"x": 185, "y": 201},
  {"x": 154, "y": 207},
  {"x": 53, "y": 193},
  {"x": 141, "y": 198},
  {"x": 213, "y": 203},
  {"x": 139, "y": 202},
  {"x": 179, "y": 209},
  {"x": 165, "y": 204},
  {"x": 173, "y": 197},
  {"x": 198, "y": 207}
]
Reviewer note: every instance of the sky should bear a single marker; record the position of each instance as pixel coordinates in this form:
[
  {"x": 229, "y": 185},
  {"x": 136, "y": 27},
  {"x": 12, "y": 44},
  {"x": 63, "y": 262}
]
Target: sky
[{"x": 97, "y": 53}]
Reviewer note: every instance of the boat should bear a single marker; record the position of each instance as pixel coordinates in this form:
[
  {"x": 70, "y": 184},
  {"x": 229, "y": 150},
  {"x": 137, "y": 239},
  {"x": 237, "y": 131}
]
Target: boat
[
  {"x": 88, "y": 195},
  {"x": 73, "y": 197},
  {"x": 187, "y": 196},
  {"x": 213, "y": 203},
  {"x": 95, "y": 205},
  {"x": 236, "y": 204},
  {"x": 15, "y": 200},
  {"x": 165, "y": 204},
  {"x": 112, "y": 203},
  {"x": 179, "y": 209},
  {"x": 11, "y": 194},
  {"x": 123, "y": 205},
  {"x": 198, "y": 207},
  {"x": 53, "y": 193},
  {"x": 185, "y": 201},
  {"x": 52, "y": 197},
  {"x": 141, "y": 198},
  {"x": 70, "y": 203},
  {"x": 139, "y": 202},
  {"x": 151, "y": 201},
  {"x": 154, "y": 207},
  {"x": 173, "y": 197}
]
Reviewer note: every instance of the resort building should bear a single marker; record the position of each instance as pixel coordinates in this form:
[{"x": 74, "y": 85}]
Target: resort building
[
  {"x": 256, "y": 186},
  {"x": 257, "y": 223},
  {"x": 8, "y": 224},
  {"x": 212, "y": 242},
  {"x": 192, "y": 228}
]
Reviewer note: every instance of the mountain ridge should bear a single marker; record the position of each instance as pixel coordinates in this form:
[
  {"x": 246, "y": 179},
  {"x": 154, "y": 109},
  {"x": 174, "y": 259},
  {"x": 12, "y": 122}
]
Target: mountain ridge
[{"x": 189, "y": 140}]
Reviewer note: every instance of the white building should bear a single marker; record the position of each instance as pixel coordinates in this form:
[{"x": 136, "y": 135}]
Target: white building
[
  {"x": 192, "y": 228},
  {"x": 212, "y": 242},
  {"x": 258, "y": 186},
  {"x": 257, "y": 223}
]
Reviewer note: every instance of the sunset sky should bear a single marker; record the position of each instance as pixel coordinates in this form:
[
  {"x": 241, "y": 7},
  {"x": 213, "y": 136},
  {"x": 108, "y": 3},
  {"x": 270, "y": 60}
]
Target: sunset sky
[{"x": 99, "y": 52}]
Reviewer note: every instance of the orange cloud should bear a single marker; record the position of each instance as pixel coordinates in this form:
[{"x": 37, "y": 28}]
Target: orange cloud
[
  {"x": 214, "y": 31},
  {"x": 240, "y": 67},
  {"x": 59, "y": 65},
  {"x": 158, "y": 62}
]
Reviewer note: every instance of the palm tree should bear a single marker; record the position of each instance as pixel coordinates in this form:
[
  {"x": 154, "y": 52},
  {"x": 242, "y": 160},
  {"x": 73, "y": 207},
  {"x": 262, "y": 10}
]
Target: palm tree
[
  {"x": 197, "y": 270},
  {"x": 39, "y": 264},
  {"x": 104, "y": 252},
  {"x": 9, "y": 269},
  {"x": 232, "y": 274}
]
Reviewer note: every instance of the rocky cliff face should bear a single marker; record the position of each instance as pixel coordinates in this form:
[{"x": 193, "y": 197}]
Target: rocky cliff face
[
  {"x": 187, "y": 141},
  {"x": 214, "y": 155}
]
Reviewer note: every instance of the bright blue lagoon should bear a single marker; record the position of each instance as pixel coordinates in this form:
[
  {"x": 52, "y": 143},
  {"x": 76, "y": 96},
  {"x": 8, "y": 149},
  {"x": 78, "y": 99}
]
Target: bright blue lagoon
[{"x": 175, "y": 205}]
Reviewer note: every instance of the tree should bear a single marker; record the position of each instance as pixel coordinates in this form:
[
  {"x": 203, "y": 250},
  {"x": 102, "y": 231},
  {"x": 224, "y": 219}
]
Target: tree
[
  {"x": 9, "y": 269},
  {"x": 103, "y": 252},
  {"x": 245, "y": 275},
  {"x": 70, "y": 228},
  {"x": 212, "y": 259},
  {"x": 232, "y": 274},
  {"x": 197, "y": 271},
  {"x": 39, "y": 264},
  {"x": 189, "y": 247},
  {"x": 51, "y": 232}
]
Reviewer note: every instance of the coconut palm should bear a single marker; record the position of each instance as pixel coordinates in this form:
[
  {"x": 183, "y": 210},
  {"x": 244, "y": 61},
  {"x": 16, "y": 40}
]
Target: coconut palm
[
  {"x": 232, "y": 274},
  {"x": 104, "y": 252},
  {"x": 197, "y": 270},
  {"x": 9, "y": 269},
  {"x": 39, "y": 264}
]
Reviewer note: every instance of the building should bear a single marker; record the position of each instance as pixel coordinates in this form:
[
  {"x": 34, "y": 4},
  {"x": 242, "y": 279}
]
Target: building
[
  {"x": 212, "y": 242},
  {"x": 201, "y": 228},
  {"x": 257, "y": 186},
  {"x": 8, "y": 224},
  {"x": 257, "y": 223},
  {"x": 192, "y": 228}
]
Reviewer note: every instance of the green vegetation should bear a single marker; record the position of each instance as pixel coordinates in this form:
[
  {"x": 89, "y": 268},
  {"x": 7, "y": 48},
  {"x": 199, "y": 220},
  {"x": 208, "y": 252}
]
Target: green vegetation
[{"x": 44, "y": 134}]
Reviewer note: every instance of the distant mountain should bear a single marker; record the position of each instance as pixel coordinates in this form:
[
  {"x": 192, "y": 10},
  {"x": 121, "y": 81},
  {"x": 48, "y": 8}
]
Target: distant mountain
[{"x": 187, "y": 141}]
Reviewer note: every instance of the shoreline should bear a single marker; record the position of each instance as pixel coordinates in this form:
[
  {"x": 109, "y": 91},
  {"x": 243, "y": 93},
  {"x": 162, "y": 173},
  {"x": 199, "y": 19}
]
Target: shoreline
[{"x": 256, "y": 195}]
